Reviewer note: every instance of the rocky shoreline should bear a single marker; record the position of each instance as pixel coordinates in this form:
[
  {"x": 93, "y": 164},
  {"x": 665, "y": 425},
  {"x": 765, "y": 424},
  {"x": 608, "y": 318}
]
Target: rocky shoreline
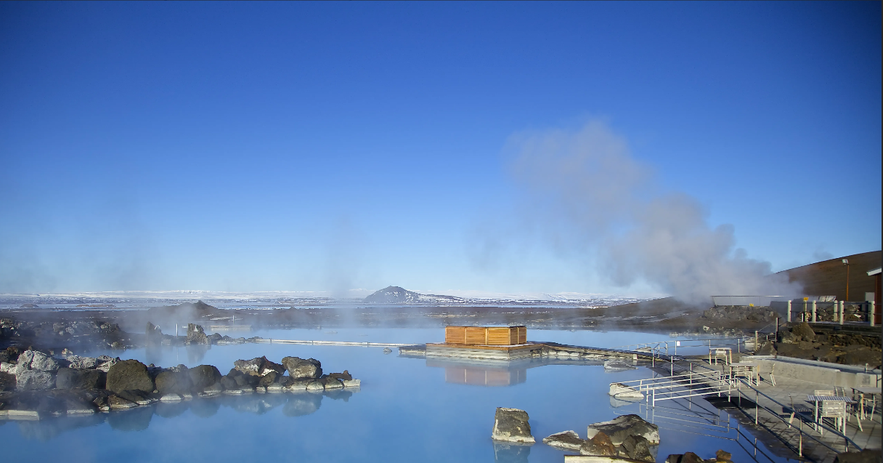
[{"x": 36, "y": 385}]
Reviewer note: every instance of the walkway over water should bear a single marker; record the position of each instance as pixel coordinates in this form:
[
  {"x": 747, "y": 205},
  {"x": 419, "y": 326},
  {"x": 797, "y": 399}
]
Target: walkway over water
[
  {"x": 329, "y": 343},
  {"x": 548, "y": 347},
  {"x": 773, "y": 406}
]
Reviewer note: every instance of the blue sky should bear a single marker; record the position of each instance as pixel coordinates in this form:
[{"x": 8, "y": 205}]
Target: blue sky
[{"x": 444, "y": 147}]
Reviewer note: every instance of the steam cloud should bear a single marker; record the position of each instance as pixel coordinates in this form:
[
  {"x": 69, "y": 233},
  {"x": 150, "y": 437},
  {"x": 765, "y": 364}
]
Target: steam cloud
[{"x": 601, "y": 203}]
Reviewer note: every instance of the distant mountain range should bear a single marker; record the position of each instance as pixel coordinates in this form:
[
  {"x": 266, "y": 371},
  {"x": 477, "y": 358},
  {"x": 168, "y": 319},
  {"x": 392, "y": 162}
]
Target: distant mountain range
[{"x": 391, "y": 295}]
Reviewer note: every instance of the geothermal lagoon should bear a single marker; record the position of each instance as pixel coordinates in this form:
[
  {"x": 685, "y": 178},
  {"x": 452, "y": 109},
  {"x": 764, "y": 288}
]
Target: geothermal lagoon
[{"x": 407, "y": 409}]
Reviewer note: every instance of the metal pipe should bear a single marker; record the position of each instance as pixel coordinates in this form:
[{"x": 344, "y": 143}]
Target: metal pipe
[
  {"x": 789, "y": 311},
  {"x": 814, "y": 311},
  {"x": 872, "y": 311}
]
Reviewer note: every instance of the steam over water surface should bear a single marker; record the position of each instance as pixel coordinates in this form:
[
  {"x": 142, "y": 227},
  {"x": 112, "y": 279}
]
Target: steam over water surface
[{"x": 408, "y": 409}]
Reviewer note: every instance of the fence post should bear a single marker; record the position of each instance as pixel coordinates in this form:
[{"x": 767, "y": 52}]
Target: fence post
[
  {"x": 788, "y": 308},
  {"x": 842, "y": 310},
  {"x": 872, "y": 311},
  {"x": 813, "y": 311},
  {"x": 800, "y": 440}
]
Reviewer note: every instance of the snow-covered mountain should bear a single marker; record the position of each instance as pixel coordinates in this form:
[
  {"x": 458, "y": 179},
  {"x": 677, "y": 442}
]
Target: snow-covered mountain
[{"x": 399, "y": 295}]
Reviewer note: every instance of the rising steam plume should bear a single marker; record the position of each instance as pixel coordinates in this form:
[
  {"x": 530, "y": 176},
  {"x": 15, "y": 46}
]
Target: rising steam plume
[{"x": 600, "y": 202}]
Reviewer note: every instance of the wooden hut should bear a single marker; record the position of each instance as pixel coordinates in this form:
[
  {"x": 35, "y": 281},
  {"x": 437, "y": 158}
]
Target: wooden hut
[{"x": 486, "y": 335}]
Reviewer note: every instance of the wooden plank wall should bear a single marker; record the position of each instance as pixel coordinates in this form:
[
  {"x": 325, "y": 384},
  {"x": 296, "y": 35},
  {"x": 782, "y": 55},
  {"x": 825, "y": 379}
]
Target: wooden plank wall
[
  {"x": 455, "y": 334},
  {"x": 522, "y": 335},
  {"x": 499, "y": 336},
  {"x": 476, "y": 335}
]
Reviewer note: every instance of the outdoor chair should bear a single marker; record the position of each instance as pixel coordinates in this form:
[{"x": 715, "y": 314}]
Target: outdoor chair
[
  {"x": 835, "y": 409},
  {"x": 801, "y": 410},
  {"x": 720, "y": 353},
  {"x": 772, "y": 377}
]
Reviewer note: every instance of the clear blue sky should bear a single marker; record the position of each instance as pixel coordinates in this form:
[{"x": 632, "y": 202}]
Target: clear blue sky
[{"x": 448, "y": 147}]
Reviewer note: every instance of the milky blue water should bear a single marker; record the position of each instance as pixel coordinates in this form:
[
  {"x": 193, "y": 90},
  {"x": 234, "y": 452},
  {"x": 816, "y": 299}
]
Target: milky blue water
[{"x": 408, "y": 409}]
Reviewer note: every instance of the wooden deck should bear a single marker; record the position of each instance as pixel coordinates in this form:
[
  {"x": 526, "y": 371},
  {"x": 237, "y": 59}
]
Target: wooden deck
[{"x": 491, "y": 352}]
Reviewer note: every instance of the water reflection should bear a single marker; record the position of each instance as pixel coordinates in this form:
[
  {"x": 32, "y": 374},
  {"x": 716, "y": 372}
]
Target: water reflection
[
  {"x": 136, "y": 419},
  {"x": 301, "y": 405},
  {"x": 38, "y": 430},
  {"x": 511, "y": 453},
  {"x": 495, "y": 373},
  {"x": 139, "y": 419},
  {"x": 479, "y": 374}
]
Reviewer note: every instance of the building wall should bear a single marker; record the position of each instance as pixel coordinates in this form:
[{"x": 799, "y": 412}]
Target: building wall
[{"x": 829, "y": 277}]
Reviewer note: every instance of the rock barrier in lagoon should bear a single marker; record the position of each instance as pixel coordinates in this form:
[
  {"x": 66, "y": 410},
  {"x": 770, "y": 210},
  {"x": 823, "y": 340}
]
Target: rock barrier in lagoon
[
  {"x": 35, "y": 385},
  {"x": 625, "y": 438}
]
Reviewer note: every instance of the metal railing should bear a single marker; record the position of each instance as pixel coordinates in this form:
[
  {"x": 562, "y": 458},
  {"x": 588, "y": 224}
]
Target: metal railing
[
  {"x": 671, "y": 347},
  {"x": 757, "y": 394},
  {"x": 693, "y": 418},
  {"x": 708, "y": 381}
]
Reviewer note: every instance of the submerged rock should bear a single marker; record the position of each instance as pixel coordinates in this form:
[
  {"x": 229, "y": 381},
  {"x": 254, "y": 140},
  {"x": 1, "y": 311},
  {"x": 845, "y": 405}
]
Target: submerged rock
[
  {"x": 511, "y": 425},
  {"x": 623, "y": 426},
  {"x": 599, "y": 444},
  {"x": 637, "y": 448},
  {"x": 565, "y": 440}
]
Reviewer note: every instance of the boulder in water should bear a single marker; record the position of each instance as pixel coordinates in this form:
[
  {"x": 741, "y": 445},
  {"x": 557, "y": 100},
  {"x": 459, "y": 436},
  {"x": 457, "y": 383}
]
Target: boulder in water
[
  {"x": 619, "y": 428},
  {"x": 511, "y": 425}
]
